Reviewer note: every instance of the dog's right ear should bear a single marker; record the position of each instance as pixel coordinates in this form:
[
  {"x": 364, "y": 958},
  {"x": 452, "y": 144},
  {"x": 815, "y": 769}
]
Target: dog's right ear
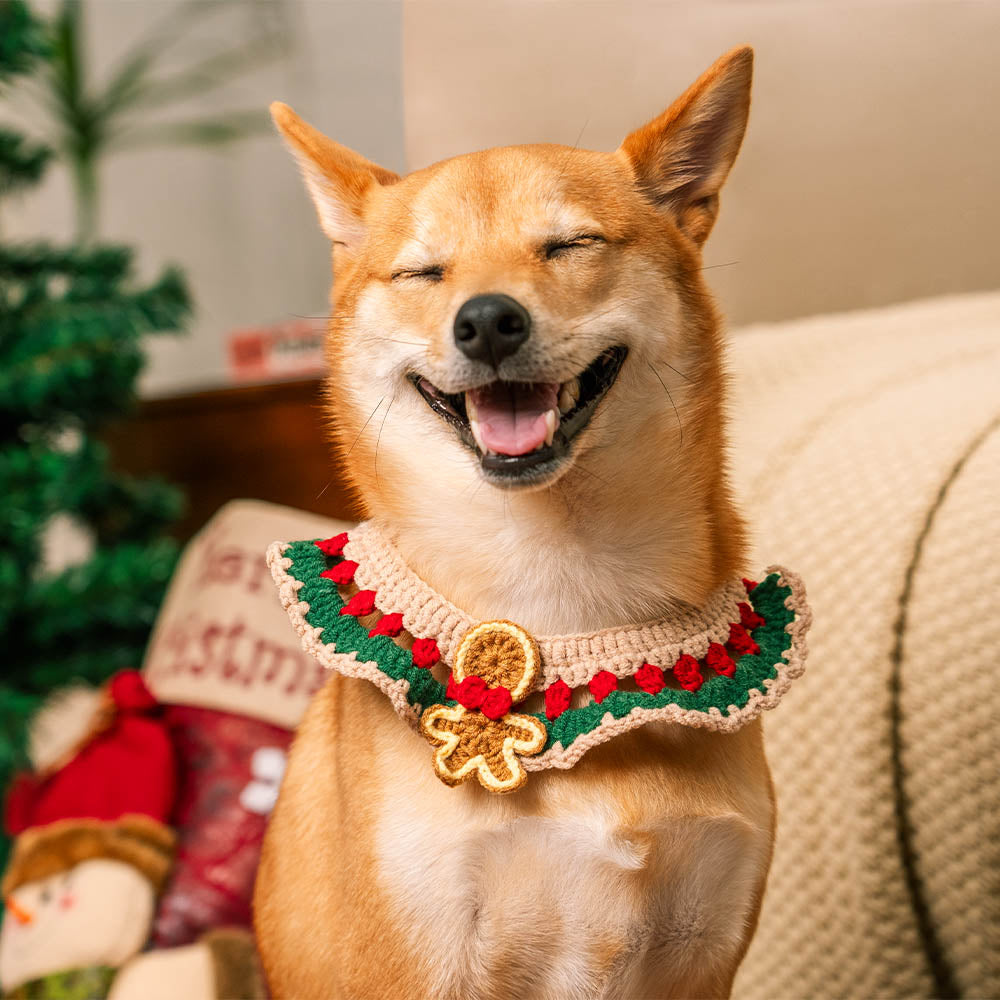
[
  {"x": 338, "y": 179},
  {"x": 681, "y": 159}
]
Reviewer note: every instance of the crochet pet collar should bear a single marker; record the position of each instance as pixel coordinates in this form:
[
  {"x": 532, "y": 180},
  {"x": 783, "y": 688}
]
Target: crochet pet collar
[{"x": 497, "y": 703}]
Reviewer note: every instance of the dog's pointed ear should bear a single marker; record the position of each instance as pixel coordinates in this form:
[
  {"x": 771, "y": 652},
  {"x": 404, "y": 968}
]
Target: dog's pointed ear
[
  {"x": 682, "y": 158},
  {"x": 338, "y": 179}
]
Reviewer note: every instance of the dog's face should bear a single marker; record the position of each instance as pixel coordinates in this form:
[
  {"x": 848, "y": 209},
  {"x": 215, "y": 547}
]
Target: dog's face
[{"x": 500, "y": 316}]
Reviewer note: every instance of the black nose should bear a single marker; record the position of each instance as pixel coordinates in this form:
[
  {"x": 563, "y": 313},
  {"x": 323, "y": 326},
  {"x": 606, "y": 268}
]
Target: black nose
[{"x": 491, "y": 328}]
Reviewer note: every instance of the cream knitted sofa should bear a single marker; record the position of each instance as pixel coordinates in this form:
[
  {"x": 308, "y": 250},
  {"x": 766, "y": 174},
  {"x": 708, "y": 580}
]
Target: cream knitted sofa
[{"x": 867, "y": 451}]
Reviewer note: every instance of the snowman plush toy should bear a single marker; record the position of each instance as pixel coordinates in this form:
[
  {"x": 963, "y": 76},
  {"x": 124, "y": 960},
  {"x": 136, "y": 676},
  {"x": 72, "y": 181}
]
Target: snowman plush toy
[{"x": 93, "y": 847}]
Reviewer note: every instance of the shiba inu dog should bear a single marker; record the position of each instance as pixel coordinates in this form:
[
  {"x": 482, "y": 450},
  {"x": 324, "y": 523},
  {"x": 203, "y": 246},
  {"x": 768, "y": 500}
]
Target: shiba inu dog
[{"x": 528, "y": 397}]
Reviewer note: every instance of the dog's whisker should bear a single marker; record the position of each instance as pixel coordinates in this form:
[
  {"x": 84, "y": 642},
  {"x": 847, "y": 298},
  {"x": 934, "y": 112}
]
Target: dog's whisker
[
  {"x": 378, "y": 440},
  {"x": 364, "y": 425},
  {"x": 680, "y": 426},
  {"x": 676, "y": 371},
  {"x": 592, "y": 474}
]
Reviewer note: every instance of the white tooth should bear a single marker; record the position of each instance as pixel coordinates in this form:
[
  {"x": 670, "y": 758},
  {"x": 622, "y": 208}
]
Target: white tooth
[
  {"x": 474, "y": 425},
  {"x": 551, "y": 422},
  {"x": 473, "y": 414},
  {"x": 568, "y": 395}
]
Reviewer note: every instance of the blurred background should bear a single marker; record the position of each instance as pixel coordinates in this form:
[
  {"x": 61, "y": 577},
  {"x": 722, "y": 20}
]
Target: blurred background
[{"x": 165, "y": 283}]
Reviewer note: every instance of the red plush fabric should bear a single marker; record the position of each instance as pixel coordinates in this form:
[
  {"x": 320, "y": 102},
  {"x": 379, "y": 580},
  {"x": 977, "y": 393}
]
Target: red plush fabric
[
  {"x": 220, "y": 827},
  {"x": 129, "y": 767}
]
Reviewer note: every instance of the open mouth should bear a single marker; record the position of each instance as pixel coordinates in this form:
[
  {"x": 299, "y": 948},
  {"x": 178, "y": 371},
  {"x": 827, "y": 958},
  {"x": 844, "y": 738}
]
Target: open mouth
[{"x": 520, "y": 430}]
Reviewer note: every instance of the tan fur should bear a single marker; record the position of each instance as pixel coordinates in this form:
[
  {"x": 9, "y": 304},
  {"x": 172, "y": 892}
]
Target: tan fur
[{"x": 640, "y": 871}]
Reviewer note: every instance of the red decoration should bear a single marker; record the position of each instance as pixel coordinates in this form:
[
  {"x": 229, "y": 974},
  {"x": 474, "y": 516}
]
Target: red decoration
[
  {"x": 749, "y": 584},
  {"x": 687, "y": 673},
  {"x": 748, "y": 617},
  {"x": 129, "y": 692},
  {"x": 342, "y": 573},
  {"x": 390, "y": 625},
  {"x": 219, "y": 837},
  {"x": 332, "y": 546},
  {"x": 361, "y": 604},
  {"x": 557, "y": 698},
  {"x": 425, "y": 653},
  {"x": 472, "y": 692},
  {"x": 740, "y": 640},
  {"x": 719, "y": 660},
  {"x": 602, "y": 684},
  {"x": 451, "y": 689},
  {"x": 650, "y": 678},
  {"x": 128, "y": 767},
  {"x": 497, "y": 703}
]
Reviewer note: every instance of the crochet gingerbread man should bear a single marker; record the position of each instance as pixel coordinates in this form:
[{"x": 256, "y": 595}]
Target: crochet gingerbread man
[{"x": 495, "y": 667}]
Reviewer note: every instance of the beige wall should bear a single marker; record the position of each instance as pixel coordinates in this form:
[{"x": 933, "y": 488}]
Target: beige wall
[
  {"x": 238, "y": 221},
  {"x": 868, "y": 174},
  {"x": 870, "y": 167}
]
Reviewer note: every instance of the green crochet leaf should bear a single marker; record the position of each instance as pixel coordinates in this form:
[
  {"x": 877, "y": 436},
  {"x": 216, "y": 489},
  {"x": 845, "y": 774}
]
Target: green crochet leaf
[{"x": 718, "y": 692}]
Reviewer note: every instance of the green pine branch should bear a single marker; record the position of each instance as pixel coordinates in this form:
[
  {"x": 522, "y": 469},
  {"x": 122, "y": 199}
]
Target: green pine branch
[
  {"x": 22, "y": 39},
  {"x": 110, "y": 601},
  {"x": 21, "y": 162}
]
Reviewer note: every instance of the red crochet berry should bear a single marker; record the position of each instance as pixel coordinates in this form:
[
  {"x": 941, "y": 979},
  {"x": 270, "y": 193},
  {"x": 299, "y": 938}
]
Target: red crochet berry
[
  {"x": 749, "y": 584},
  {"x": 425, "y": 653},
  {"x": 687, "y": 673},
  {"x": 342, "y": 573},
  {"x": 602, "y": 684},
  {"x": 740, "y": 640},
  {"x": 361, "y": 604},
  {"x": 557, "y": 697},
  {"x": 451, "y": 688},
  {"x": 332, "y": 546},
  {"x": 720, "y": 660},
  {"x": 650, "y": 678},
  {"x": 472, "y": 692},
  {"x": 390, "y": 625},
  {"x": 748, "y": 617},
  {"x": 497, "y": 703}
]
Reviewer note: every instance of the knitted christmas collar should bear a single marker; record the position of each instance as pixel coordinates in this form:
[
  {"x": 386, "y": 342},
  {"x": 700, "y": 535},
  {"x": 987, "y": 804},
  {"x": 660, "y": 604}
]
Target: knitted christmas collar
[{"x": 469, "y": 686}]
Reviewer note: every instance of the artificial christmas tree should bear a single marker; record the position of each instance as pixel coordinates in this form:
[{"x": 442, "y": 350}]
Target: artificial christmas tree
[{"x": 71, "y": 323}]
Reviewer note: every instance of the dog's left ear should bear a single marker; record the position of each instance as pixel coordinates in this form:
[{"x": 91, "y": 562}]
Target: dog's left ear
[
  {"x": 338, "y": 179},
  {"x": 682, "y": 158}
]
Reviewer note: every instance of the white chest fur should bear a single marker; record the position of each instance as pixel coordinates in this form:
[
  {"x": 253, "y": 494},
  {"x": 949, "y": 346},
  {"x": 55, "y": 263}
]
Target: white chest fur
[{"x": 589, "y": 906}]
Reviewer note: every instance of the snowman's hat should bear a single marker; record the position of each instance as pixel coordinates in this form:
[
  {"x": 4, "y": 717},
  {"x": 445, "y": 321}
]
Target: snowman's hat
[{"x": 111, "y": 799}]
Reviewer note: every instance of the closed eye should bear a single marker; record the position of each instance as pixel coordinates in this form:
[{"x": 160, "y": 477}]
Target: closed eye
[
  {"x": 560, "y": 246},
  {"x": 432, "y": 273}
]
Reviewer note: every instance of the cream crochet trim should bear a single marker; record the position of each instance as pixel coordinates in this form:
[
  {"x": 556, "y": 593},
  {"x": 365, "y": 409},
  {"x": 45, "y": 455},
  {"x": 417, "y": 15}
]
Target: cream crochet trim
[
  {"x": 791, "y": 667},
  {"x": 573, "y": 658},
  {"x": 794, "y": 663}
]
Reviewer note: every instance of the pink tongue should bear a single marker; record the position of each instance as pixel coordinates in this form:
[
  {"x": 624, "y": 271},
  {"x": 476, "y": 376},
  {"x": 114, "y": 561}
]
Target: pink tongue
[{"x": 512, "y": 415}]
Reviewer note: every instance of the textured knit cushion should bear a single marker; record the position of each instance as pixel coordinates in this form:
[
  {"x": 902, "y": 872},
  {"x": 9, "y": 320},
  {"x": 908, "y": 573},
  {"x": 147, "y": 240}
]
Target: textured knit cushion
[{"x": 867, "y": 451}]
